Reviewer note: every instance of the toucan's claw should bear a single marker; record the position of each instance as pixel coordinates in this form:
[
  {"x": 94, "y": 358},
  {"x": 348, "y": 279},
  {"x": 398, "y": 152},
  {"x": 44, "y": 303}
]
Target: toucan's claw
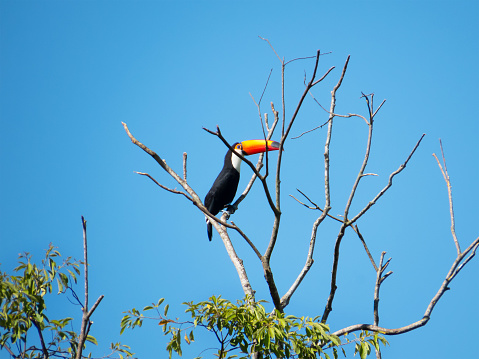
[
  {"x": 231, "y": 209},
  {"x": 226, "y": 213}
]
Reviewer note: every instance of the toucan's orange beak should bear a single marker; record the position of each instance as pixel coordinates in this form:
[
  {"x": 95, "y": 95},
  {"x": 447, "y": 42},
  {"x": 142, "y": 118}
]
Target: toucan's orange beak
[{"x": 251, "y": 147}]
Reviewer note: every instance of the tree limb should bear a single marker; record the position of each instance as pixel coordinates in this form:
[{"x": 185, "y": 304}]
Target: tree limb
[
  {"x": 220, "y": 225},
  {"x": 454, "y": 270},
  {"x": 461, "y": 260},
  {"x": 86, "y": 323},
  {"x": 42, "y": 341},
  {"x": 449, "y": 193},
  {"x": 390, "y": 182}
]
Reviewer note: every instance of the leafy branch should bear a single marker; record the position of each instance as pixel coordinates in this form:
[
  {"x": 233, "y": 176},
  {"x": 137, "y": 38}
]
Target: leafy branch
[{"x": 246, "y": 327}]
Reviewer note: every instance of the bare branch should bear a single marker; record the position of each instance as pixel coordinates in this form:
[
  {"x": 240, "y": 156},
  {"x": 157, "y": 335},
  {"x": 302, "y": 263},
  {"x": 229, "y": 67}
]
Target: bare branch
[
  {"x": 324, "y": 76},
  {"x": 269, "y": 43},
  {"x": 42, "y": 341},
  {"x": 204, "y": 210},
  {"x": 361, "y": 171},
  {"x": 85, "y": 258},
  {"x": 390, "y": 182},
  {"x": 220, "y": 225},
  {"x": 274, "y": 235},
  {"x": 86, "y": 323},
  {"x": 379, "y": 280},
  {"x": 298, "y": 106},
  {"x": 185, "y": 155},
  {"x": 258, "y": 254},
  {"x": 175, "y": 191},
  {"x": 461, "y": 260},
  {"x": 356, "y": 229},
  {"x": 306, "y": 57},
  {"x": 305, "y": 132},
  {"x": 309, "y": 260},
  {"x": 237, "y": 262},
  {"x": 316, "y": 207},
  {"x": 449, "y": 193},
  {"x": 327, "y": 190},
  {"x": 454, "y": 270},
  {"x": 264, "y": 89}
]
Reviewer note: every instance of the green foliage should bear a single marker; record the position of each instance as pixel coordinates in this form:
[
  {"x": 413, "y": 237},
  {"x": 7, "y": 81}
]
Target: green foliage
[
  {"x": 22, "y": 300},
  {"x": 365, "y": 343},
  {"x": 23, "y": 308},
  {"x": 246, "y": 327}
]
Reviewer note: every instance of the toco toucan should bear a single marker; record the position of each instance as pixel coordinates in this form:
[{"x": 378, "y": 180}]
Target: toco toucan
[{"x": 224, "y": 188}]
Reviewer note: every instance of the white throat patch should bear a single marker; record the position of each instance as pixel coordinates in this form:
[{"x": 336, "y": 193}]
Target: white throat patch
[{"x": 236, "y": 161}]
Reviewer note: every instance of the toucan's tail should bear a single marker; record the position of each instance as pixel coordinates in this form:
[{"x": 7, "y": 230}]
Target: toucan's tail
[{"x": 209, "y": 229}]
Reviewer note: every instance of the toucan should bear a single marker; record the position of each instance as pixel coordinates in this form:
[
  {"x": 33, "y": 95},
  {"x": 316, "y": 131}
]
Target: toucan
[{"x": 224, "y": 188}]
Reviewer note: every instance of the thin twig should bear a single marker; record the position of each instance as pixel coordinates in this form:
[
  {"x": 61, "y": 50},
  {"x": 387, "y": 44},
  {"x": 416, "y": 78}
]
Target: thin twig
[
  {"x": 274, "y": 235},
  {"x": 305, "y": 132},
  {"x": 328, "y": 308},
  {"x": 175, "y": 191},
  {"x": 459, "y": 263},
  {"x": 42, "y": 341},
  {"x": 86, "y": 323},
  {"x": 356, "y": 229},
  {"x": 309, "y": 260},
  {"x": 449, "y": 193},
  {"x": 316, "y": 207},
  {"x": 390, "y": 182},
  {"x": 185, "y": 156}
]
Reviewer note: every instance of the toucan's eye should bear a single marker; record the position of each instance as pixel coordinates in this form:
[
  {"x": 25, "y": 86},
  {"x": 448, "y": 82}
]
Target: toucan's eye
[{"x": 238, "y": 146}]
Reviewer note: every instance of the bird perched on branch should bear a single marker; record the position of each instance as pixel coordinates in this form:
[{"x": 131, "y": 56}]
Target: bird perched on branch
[{"x": 224, "y": 188}]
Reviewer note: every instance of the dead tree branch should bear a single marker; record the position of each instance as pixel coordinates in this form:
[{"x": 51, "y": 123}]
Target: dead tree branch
[
  {"x": 457, "y": 265},
  {"x": 328, "y": 308},
  {"x": 219, "y": 224},
  {"x": 309, "y": 258},
  {"x": 356, "y": 229},
  {"x": 379, "y": 279},
  {"x": 461, "y": 260},
  {"x": 86, "y": 323},
  {"x": 390, "y": 182},
  {"x": 284, "y": 136},
  {"x": 449, "y": 194}
]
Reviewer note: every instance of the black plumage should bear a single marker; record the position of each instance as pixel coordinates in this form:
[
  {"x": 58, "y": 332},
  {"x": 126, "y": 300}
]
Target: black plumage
[{"x": 224, "y": 188}]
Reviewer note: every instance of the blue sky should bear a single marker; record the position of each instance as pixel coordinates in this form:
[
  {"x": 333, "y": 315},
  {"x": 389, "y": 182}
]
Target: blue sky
[{"x": 71, "y": 72}]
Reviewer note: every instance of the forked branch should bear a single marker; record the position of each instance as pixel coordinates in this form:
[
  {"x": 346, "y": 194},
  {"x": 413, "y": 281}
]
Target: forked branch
[
  {"x": 459, "y": 263},
  {"x": 461, "y": 260},
  {"x": 328, "y": 308},
  {"x": 219, "y": 224}
]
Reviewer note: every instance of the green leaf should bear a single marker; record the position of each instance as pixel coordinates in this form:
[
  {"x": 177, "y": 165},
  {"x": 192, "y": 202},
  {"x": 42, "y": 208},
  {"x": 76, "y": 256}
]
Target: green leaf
[
  {"x": 364, "y": 350},
  {"x": 91, "y": 339}
]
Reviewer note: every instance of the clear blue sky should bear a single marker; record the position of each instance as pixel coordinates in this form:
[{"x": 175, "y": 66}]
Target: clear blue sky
[{"x": 70, "y": 72}]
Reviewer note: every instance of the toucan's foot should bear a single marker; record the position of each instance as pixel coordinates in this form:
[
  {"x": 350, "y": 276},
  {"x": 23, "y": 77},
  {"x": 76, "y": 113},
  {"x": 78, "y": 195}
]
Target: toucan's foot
[{"x": 230, "y": 209}]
